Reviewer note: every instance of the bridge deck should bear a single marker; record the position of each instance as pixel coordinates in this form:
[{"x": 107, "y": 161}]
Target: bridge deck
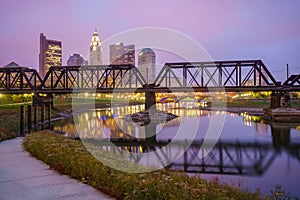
[{"x": 229, "y": 76}]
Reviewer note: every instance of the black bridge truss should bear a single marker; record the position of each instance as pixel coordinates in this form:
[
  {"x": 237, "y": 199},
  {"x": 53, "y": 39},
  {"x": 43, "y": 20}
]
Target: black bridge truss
[
  {"x": 234, "y": 158},
  {"x": 293, "y": 80},
  {"x": 19, "y": 80},
  {"x": 247, "y": 75},
  {"x": 102, "y": 77}
]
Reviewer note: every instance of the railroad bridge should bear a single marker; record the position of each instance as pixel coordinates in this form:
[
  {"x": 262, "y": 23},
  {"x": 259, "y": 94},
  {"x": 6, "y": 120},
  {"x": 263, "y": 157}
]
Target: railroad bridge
[{"x": 227, "y": 76}]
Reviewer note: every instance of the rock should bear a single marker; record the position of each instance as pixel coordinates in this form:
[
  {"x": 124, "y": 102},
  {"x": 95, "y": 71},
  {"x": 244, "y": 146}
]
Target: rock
[
  {"x": 282, "y": 114},
  {"x": 145, "y": 117}
]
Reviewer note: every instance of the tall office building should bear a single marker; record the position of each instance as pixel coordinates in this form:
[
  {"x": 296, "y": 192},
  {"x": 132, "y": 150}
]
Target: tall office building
[
  {"x": 120, "y": 54},
  {"x": 76, "y": 60},
  {"x": 115, "y": 53},
  {"x": 95, "y": 50},
  {"x": 129, "y": 54},
  {"x": 146, "y": 64},
  {"x": 50, "y": 54}
]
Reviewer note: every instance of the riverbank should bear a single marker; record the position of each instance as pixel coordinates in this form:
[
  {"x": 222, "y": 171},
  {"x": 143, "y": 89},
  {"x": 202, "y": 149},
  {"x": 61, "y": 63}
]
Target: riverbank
[
  {"x": 250, "y": 111},
  {"x": 10, "y": 116},
  {"x": 70, "y": 157},
  {"x": 252, "y": 108}
]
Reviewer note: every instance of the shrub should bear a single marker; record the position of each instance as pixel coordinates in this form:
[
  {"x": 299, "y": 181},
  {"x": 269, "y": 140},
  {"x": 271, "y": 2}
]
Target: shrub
[
  {"x": 71, "y": 157},
  {"x": 6, "y": 135}
]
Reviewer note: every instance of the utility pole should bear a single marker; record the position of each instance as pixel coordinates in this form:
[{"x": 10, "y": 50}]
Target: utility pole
[
  {"x": 147, "y": 75},
  {"x": 287, "y": 71}
]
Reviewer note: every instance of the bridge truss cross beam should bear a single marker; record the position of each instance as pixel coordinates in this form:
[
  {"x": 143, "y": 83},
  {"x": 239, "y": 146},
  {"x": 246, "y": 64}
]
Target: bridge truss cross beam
[
  {"x": 100, "y": 77},
  {"x": 216, "y": 74},
  {"x": 19, "y": 80},
  {"x": 293, "y": 80}
]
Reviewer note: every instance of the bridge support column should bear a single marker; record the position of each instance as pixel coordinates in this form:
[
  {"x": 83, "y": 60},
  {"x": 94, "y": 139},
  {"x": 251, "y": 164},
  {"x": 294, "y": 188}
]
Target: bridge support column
[
  {"x": 275, "y": 100},
  {"x": 48, "y": 105},
  {"x": 35, "y": 117},
  {"x": 150, "y": 130},
  {"x": 278, "y": 111},
  {"x": 42, "y": 99},
  {"x": 285, "y": 100},
  {"x": 29, "y": 125},
  {"x": 150, "y": 101},
  {"x": 42, "y": 116},
  {"x": 45, "y": 102},
  {"x": 22, "y": 121},
  {"x": 280, "y": 100}
]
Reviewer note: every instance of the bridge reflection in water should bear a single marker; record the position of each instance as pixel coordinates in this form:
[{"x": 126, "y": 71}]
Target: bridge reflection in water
[
  {"x": 234, "y": 158},
  {"x": 105, "y": 129}
]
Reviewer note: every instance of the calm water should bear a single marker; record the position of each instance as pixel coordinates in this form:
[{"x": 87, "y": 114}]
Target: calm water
[{"x": 252, "y": 153}]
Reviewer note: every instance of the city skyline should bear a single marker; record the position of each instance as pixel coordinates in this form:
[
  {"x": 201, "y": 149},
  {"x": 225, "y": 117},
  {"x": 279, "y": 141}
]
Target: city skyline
[
  {"x": 95, "y": 50},
  {"x": 121, "y": 54},
  {"x": 250, "y": 30},
  {"x": 147, "y": 64},
  {"x": 50, "y": 54}
]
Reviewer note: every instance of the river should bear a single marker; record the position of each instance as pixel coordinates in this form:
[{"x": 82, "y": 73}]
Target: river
[{"x": 248, "y": 151}]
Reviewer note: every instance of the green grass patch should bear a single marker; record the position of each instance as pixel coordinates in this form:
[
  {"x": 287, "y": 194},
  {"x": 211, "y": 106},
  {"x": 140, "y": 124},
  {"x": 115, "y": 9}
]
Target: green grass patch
[
  {"x": 6, "y": 135},
  {"x": 71, "y": 157},
  {"x": 9, "y": 122}
]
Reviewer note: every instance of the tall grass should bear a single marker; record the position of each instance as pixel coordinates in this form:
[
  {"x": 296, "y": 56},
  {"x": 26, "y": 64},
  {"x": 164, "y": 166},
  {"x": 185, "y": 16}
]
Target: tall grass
[{"x": 70, "y": 157}]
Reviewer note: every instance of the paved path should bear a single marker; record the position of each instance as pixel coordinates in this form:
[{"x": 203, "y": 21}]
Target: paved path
[{"x": 24, "y": 177}]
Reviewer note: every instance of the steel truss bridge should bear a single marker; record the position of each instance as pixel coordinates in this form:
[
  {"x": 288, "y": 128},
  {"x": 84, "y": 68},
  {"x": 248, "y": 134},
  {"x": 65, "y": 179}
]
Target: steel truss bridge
[
  {"x": 244, "y": 75},
  {"x": 234, "y": 158}
]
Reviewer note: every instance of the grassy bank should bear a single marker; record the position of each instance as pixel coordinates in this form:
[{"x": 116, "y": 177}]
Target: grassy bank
[
  {"x": 70, "y": 157},
  {"x": 10, "y": 114},
  {"x": 6, "y": 135},
  {"x": 9, "y": 123},
  {"x": 10, "y": 120}
]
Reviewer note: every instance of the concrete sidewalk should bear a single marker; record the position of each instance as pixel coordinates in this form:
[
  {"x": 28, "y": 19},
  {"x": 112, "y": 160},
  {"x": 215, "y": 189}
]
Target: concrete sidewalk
[{"x": 24, "y": 177}]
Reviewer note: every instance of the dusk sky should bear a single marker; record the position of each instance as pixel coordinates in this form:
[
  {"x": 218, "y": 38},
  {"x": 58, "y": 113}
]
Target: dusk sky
[{"x": 229, "y": 30}]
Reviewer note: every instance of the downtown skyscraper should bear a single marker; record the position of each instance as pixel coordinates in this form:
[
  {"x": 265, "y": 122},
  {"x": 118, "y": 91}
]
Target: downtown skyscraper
[
  {"x": 76, "y": 59},
  {"x": 146, "y": 64},
  {"x": 120, "y": 54},
  {"x": 95, "y": 50},
  {"x": 50, "y": 54}
]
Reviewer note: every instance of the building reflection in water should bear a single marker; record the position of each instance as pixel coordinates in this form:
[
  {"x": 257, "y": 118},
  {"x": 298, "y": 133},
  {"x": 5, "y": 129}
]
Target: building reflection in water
[
  {"x": 256, "y": 122},
  {"x": 262, "y": 158},
  {"x": 107, "y": 124}
]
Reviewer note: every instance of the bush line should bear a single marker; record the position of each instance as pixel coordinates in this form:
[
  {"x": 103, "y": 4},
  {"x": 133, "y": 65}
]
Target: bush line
[{"x": 70, "y": 157}]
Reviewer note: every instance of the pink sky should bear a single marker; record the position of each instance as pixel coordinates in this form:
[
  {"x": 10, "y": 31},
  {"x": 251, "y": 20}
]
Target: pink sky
[{"x": 268, "y": 30}]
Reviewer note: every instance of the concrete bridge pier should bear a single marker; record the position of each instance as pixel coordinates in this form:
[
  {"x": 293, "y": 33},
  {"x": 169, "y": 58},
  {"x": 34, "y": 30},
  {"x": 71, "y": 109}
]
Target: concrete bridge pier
[
  {"x": 279, "y": 110},
  {"x": 150, "y": 130},
  {"x": 275, "y": 99},
  {"x": 280, "y": 100},
  {"x": 150, "y": 98},
  {"x": 150, "y": 101}
]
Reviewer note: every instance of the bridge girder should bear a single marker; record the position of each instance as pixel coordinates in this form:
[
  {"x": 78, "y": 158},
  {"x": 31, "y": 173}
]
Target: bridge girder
[{"x": 229, "y": 76}]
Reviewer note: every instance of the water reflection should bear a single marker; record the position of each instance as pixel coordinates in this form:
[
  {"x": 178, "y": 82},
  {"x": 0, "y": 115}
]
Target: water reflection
[
  {"x": 249, "y": 156},
  {"x": 268, "y": 153}
]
